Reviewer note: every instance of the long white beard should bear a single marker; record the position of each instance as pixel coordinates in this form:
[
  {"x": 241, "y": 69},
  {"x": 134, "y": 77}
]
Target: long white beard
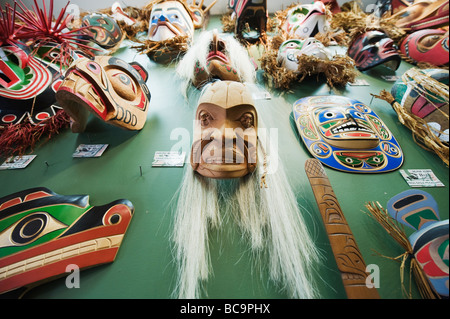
[{"x": 269, "y": 217}]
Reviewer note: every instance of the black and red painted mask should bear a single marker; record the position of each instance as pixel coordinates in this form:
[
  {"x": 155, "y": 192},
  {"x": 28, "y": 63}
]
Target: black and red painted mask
[
  {"x": 42, "y": 232},
  {"x": 27, "y": 84},
  {"x": 373, "y": 48}
]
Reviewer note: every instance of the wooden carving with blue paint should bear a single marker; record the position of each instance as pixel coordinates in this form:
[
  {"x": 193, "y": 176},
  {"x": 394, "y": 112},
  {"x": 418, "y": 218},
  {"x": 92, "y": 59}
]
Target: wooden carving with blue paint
[
  {"x": 419, "y": 211},
  {"x": 346, "y": 135}
]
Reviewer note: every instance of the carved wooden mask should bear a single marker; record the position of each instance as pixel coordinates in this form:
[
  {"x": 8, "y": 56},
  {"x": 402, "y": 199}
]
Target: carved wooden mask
[
  {"x": 102, "y": 29},
  {"x": 110, "y": 88},
  {"x": 290, "y": 50},
  {"x": 225, "y": 132},
  {"x": 218, "y": 63},
  {"x": 27, "y": 86},
  {"x": 170, "y": 19},
  {"x": 306, "y": 20}
]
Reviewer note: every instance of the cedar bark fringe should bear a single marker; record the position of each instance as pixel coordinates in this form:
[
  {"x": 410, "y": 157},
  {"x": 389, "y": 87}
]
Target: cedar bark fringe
[
  {"x": 338, "y": 71},
  {"x": 396, "y": 231},
  {"x": 16, "y": 139},
  {"x": 422, "y": 133}
]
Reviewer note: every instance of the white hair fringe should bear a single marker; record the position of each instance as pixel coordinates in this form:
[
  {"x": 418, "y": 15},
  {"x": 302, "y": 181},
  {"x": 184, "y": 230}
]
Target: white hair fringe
[
  {"x": 270, "y": 217},
  {"x": 198, "y": 53}
]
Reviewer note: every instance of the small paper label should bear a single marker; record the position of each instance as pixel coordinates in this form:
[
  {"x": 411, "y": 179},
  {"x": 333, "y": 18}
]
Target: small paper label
[
  {"x": 168, "y": 159},
  {"x": 421, "y": 178},
  {"x": 90, "y": 150},
  {"x": 359, "y": 82},
  {"x": 390, "y": 78},
  {"x": 16, "y": 162}
]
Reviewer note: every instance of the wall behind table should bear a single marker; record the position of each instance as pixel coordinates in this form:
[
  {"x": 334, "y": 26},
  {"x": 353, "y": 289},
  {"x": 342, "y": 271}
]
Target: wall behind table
[{"x": 219, "y": 8}]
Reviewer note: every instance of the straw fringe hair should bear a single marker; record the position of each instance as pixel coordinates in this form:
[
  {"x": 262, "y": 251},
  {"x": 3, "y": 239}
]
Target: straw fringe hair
[
  {"x": 396, "y": 231},
  {"x": 424, "y": 135},
  {"x": 338, "y": 71}
]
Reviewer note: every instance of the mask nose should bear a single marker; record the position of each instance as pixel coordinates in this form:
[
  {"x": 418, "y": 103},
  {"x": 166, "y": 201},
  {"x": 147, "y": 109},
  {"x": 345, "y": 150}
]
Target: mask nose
[
  {"x": 162, "y": 18},
  {"x": 228, "y": 134}
]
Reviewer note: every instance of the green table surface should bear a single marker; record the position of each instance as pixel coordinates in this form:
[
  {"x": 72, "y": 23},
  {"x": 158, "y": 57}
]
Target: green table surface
[{"x": 144, "y": 266}]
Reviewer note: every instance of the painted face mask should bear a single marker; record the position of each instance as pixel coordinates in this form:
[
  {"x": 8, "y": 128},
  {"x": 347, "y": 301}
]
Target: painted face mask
[
  {"x": 225, "y": 132},
  {"x": 373, "y": 48},
  {"x": 103, "y": 30},
  {"x": 42, "y": 233},
  {"x": 430, "y": 45},
  {"x": 218, "y": 64},
  {"x": 306, "y": 20},
  {"x": 110, "y": 88},
  {"x": 251, "y": 18},
  {"x": 27, "y": 86},
  {"x": 346, "y": 135},
  {"x": 169, "y": 19},
  {"x": 416, "y": 93},
  {"x": 418, "y": 210},
  {"x": 291, "y": 49},
  {"x": 423, "y": 14}
]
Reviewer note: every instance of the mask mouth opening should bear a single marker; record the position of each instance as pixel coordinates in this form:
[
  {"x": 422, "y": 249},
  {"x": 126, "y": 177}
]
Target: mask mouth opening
[
  {"x": 5, "y": 80},
  {"x": 9, "y": 72},
  {"x": 251, "y": 25},
  {"x": 392, "y": 64}
]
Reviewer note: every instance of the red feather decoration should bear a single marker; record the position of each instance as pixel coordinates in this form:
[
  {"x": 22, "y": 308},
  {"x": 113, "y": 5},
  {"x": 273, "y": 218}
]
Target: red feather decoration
[
  {"x": 8, "y": 25},
  {"x": 39, "y": 26}
]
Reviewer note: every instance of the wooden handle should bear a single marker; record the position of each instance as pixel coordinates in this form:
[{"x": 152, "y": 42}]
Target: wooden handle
[{"x": 346, "y": 252}]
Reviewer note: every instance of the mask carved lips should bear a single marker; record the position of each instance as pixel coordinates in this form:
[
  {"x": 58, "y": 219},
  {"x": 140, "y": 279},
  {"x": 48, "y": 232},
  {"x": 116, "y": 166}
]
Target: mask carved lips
[
  {"x": 164, "y": 25},
  {"x": 218, "y": 55},
  {"x": 218, "y": 64}
]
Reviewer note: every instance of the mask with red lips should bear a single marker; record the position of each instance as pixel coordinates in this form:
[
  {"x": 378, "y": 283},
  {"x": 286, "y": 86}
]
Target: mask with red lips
[{"x": 218, "y": 64}]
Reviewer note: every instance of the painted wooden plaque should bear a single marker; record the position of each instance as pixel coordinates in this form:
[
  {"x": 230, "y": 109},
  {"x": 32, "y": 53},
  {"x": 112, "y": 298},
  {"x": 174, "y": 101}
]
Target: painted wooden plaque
[
  {"x": 418, "y": 210},
  {"x": 42, "y": 232},
  {"x": 346, "y": 135}
]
